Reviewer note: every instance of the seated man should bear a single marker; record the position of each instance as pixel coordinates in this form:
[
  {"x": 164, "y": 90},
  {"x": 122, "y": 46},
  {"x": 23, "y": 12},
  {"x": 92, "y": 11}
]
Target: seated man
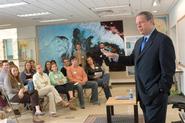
[
  {"x": 43, "y": 86},
  {"x": 78, "y": 77},
  {"x": 66, "y": 63},
  {"x": 3, "y": 79}
]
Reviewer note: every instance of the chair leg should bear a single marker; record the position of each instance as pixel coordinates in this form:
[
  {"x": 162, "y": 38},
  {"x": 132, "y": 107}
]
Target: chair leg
[{"x": 9, "y": 103}]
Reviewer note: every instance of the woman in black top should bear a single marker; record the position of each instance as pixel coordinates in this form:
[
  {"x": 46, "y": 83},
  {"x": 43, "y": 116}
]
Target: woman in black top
[
  {"x": 27, "y": 75},
  {"x": 95, "y": 72},
  {"x": 47, "y": 68}
]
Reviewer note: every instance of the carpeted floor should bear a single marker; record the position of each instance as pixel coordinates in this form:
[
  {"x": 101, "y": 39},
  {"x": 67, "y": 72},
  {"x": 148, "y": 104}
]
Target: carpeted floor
[{"x": 115, "y": 119}]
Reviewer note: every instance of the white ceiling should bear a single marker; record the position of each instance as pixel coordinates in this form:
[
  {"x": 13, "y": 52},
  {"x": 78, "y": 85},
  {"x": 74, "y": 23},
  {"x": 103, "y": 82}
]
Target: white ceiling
[{"x": 77, "y": 10}]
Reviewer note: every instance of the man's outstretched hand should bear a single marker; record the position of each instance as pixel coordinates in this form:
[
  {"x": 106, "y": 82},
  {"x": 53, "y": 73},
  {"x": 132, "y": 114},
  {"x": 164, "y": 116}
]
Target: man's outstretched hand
[{"x": 109, "y": 54}]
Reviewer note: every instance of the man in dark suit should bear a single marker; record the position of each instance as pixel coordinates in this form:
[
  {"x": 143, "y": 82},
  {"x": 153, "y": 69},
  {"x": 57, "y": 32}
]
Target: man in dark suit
[{"x": 154, "y": 60}]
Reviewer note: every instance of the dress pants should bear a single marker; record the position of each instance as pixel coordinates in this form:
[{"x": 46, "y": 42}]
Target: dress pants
[
  {"x": 155, "y": 112},
  {"x": 53, "y": 95}
]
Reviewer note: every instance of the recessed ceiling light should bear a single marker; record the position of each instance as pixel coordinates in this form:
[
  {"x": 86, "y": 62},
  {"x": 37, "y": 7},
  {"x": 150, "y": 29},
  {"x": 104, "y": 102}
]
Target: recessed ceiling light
[
  {"x": 154, "y": 11},
  {"x": 156, "y": 3},
  {"x": 110, "y": 7},
  {"x": 34, "y": 14},
  {"x": 12, "y": 4},
  {"x": 53, "y": 20}
]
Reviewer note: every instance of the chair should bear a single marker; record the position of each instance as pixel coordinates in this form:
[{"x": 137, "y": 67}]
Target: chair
[
  {"x": 44, "y": 101},
  {"x": 11, "y": 104},
  {"x": 178, "y": 101}
]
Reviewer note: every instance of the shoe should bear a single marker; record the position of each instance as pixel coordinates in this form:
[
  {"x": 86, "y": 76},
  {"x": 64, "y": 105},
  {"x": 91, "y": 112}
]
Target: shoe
[
  {"x": 16, "y": 112},
  {"x": 38, "y": 121},
  {"x": 65, "y": 104},
  {"x": 7, "y": 109},
  {"x": 82, "y": 107},
  {"x": 53, "y": 115},
  {"x": 72, "y": 107},
  {"x": 96, "y": 103},
  {"x": 39, "y": 113}
]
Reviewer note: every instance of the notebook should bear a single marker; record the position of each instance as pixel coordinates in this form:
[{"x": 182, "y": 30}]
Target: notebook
[
  {"x": 122, "y": 97},
  {"x": 98, "y": 74}
]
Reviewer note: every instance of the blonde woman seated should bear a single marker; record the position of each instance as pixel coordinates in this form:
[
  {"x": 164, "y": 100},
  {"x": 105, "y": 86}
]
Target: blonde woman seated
[
  {"x": 18, "y": 93},
  {"x": 59, "y": 81},
  {"x": 43, "y": 86}
]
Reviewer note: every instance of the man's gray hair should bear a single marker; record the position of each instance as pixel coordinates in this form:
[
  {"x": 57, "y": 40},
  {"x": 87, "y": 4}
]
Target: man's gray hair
[{"x": 148, "y": 15}]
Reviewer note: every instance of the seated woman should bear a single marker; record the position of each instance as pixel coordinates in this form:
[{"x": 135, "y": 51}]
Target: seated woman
[
  {"x": 95, "y": 72},
  {"x": 27, "y": 75},
  {"x": 18, "y": 93},
  {"x": 59, "y": 81},
  {"x": 43, "y": 86},
  {"x": 47, "y": 68}
]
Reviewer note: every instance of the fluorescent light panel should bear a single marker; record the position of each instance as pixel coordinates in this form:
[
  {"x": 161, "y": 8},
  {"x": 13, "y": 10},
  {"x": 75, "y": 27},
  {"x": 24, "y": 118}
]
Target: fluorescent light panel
[
  {"x": 34, "y": 14},
  {"x": 116, "y": 15},
  {"x": 53, "y": 20},
  {"x": 109, "y": 7},
  {"x": 12, "y": 4},
  {"x": 156, "y": 3},
  {"x": 155, "y": 11},
  {"x": 4, "y": 25}
]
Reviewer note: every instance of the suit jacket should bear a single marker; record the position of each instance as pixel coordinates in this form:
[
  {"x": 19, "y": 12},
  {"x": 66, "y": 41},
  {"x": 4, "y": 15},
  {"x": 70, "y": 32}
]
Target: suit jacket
[{"x": 154, "y": 66}]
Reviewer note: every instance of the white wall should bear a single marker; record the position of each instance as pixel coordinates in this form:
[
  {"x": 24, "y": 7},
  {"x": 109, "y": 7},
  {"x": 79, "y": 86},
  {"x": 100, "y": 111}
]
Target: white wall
[
  {"x": 26, "y": 32},
  {"x": 177, "y": 12},
  {"x": 129, "y": 26}
]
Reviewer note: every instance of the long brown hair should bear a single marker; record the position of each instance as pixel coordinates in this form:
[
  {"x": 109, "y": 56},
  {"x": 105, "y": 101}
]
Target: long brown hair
[
  {"x": 25, "y": 67},
  {"x": 14, "y": 80}
]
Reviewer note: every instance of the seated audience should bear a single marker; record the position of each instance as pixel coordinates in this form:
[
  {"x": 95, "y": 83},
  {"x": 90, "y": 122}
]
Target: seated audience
[
  {"x": 78, "y": 77},
  {"x": 27, "y": 75},
  {"x": 1, "y": 65},
  {"x": 11, "y": 63},
  {"x": 3, "y": 78},
  {"x": 80, "y": 55},
  {"x": 43, "y": 86},
  {"x": 59, "y": 81},
  {"x": 18, "y": 93},
  {"x": 95, "y": 72},
  {"x": 47, "y": 68},
  {"x": 4, "y": 72},
  {"x": 66, "y": 63},
  {"x": 98, "y": 56},
  {"x": 53, "y": 61},
  {"x": 32, "y": 62}
]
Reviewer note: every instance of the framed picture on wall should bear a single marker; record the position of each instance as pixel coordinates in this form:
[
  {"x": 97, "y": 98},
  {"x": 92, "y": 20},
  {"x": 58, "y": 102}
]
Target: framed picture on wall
[
  {"x": 27, "y": 49},
  {"x": 161, "y": 23}
]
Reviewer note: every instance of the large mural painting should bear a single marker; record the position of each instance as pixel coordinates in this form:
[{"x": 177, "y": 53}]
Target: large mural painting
[{"x": 56, "y": 41}]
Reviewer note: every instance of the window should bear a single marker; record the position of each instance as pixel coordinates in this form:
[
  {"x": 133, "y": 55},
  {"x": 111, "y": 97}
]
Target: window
[{"x": 8, "y": 49}]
